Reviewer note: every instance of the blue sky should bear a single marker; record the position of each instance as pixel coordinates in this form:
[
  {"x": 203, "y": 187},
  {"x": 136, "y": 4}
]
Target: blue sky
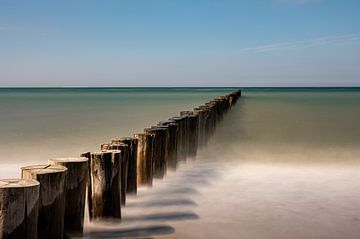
[{"x": 180, "y": 43}]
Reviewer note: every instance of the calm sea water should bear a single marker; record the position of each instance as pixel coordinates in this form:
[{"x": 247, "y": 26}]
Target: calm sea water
[
  {"x": 38, "y": 124},
  {"x": 284, "y": 163}
]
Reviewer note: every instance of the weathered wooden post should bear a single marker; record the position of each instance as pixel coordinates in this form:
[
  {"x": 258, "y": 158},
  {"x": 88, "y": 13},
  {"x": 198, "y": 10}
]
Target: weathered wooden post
[
  {"x": 132, "y": 163},
  {"x": 105, "y": 184},
  {"x": 89, "y": 202},
  {"x": 144, "y": 159},
  {"x": 206, "y": 124},
  {"x": 223, "y": 105},
  {"x": 173, "y": 143},
  {"x": 116, "y": 163},
  {"x": 124, "y": 149},
  {"x": 52, "y": 180},
  {"x": 75, "y": 187},
  {"x": 19, "y": 200},
  {"x": 212, "y": 118},
  {"x": 166, "y": 143},
  {"x": 201, "y": 126},
  {"x": 193, "y": 125},
  {"x": 216, "y": 103},
  {"x": 192, "y": 132},
  {"x": 159, "y": 150},
  {"x": 105, "y": 146},
  {"x": 182, "y": 146},
  {"x": 230, "y": 100},
  {"x": 186, "y": 114}
]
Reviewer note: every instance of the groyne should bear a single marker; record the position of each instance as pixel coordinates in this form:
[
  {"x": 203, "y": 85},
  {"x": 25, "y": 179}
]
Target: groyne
[{"x": 49, "y": 200}]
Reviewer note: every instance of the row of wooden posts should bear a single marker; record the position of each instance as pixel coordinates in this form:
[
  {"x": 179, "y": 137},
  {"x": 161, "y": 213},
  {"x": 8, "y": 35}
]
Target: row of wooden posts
[{"x": 49, "y": 200}]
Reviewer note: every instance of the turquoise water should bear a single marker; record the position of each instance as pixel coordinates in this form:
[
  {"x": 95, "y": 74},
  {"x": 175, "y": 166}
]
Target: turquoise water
[{"x": 40, "y": 123}]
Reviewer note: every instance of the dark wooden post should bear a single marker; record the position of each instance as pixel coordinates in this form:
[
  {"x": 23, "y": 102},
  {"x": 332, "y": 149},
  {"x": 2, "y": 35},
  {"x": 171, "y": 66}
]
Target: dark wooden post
[
  {"x": 144, "y": 159},
  {"x": 182, "y": 122},
  {"x": 51, "y": 198},
  {"x": 201, "y": 126},
  {"x": 105, "y": 189},
  {"x": 105, "y": 146},
  {"x": 186, "y": 114},
  {"x": 173, "y": 143},
  {"x": 116, "y": 163},
  {"x": 192, "y": 132},
  {"x": 206, "y": 128},
  {"x": 89, "y": 202},
  {"x": 159, "y": 151},
  {"x": 124, "y": 148},
  {"x": 75, "y": 187},
  {"x": 212, "y": 118},
  {"x": 19, "y": 200},
  {"x": 166, "y": 143},
  {"x": 193, "y": 126},
  {"x": 132, "y": 163}
]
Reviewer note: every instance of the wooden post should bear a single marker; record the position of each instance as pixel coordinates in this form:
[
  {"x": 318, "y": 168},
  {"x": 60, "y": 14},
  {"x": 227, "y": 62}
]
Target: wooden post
[
  {"x": 19, "y": 200},
  {"x": 124, "y": 149},
  {"x": 144, "y": 159},
  {"x": 182, "y": 121},
  {"x": 105, "y": 189},
  {"x": 201, "y": 126},
  {"x": 192, "y": 132},
  {"x": 212, "y": 118},
  {"x": 186, "y": 114},
  {"x": 166, "y": 143},
  {"x": 193, "y": 126},
  {"x": 174, "y": 142},
  {"x": 89, "y": 202},
  {"x": 105, "y": 146},
  {"x": 206, "y": 124},
  {"x": 159, "y": 151},
  {"x": 75, "y": 187},
  {"x": 116, "y": 164},
  {"x": 51, "y": 198},
  {"x": 132, "y": 163}
]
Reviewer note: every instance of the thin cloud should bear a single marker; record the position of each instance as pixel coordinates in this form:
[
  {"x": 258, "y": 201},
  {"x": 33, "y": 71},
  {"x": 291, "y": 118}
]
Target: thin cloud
[
  {"x": 324, "y": 41},
  {"x": 4, "y": 27},
  {"x": 296, "y": 2}
]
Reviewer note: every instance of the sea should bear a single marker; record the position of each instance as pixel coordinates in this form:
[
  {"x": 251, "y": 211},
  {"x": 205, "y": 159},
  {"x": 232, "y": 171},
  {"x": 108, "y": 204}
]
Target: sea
[{"x": 283, "y": 163}]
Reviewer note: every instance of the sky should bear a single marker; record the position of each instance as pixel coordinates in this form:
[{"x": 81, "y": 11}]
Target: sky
[{"x": 179, "y": 43}]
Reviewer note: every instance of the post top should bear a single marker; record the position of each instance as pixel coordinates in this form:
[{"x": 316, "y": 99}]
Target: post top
[
  {"x": 127, "y": 138},
  {"x": 177, "y": 118},
  {"x": 119, "y": 144},
  {"x": 156, "y": 128},
  {"x": 101, "y": 152},
  {"x": 161, "y": 126},
  {"x": 18, "y": 183},
  {"x": 69, "y": 160},
  {"x": 166, "y": 122},
  {"x": 112, "y": 151},
  {"x": 44, "y": 169}
]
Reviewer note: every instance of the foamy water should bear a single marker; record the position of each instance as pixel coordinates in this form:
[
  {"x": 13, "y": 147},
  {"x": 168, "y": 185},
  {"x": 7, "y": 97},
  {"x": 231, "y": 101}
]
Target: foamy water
[{"x": 282, "y": 164}]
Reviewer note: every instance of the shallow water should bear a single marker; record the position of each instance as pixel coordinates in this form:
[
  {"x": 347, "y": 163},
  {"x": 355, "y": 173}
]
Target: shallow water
[
  {"x": 284, "y": 163},
  {"x": 38, "y": 124}
]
